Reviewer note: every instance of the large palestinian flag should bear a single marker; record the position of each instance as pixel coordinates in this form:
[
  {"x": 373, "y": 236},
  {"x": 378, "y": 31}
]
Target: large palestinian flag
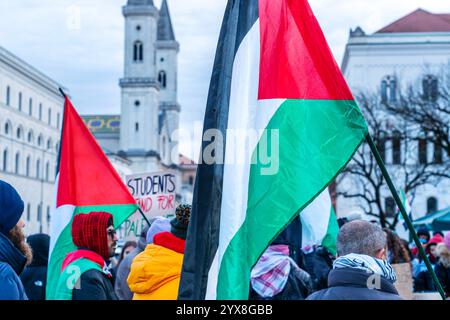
[
  {"x": 273, "y": 71},
  {"x": 86, "y": 182}
]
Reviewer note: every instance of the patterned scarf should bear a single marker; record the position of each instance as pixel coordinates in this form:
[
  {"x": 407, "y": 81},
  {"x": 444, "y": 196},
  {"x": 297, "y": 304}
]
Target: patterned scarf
[
  {"x": 366, "y": 263},
  {"x": 270, "y": 274}
]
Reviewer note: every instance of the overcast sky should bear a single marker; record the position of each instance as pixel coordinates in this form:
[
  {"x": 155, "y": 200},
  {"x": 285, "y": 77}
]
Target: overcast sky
[{"x": 79, "y": 43}]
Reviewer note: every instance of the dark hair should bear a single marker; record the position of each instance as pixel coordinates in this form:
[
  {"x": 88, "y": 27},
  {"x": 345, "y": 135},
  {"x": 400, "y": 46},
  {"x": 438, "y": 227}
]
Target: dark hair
[
  {"x": 126, "y": 245},
  {"x": 399, "y": 254}
]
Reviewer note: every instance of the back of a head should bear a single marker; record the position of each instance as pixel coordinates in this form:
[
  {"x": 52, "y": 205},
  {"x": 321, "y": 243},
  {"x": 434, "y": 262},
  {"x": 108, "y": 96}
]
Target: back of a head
[
  {"x": 40, "y": 244},
  {"x": 360, "y": 237},
  {"x": 179, "y": 224}
]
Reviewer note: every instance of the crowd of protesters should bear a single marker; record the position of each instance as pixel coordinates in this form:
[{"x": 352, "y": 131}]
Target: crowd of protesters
[{"x": 150, "y": 269}]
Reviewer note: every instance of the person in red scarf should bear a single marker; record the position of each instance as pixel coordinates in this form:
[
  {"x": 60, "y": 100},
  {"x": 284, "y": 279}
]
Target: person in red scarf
[{"x": 84, "y": 274}]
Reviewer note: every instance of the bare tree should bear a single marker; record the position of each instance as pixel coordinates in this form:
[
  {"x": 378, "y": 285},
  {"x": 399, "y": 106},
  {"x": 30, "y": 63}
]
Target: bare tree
[{"x": 399, "y": 141}]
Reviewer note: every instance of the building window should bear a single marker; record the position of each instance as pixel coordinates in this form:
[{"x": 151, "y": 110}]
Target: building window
[
  {"x": 137, "y": 103},
  {"x": 138, "y": 28},
  {"x": 19, "y": 133},
  {"x": 39, "y": 141},
  {"x": 5, "y": 160},
  {"x": 423, "y": 151},
  {"x": 437, "y": 157},
  {"x": 58, "y": 119},
  {"x": 7, "y": 128},
  {"x": 38, "y": 169},
  {"x": 191, "y": 180},
  {"x": 30, "y": 137},
  {"x": 389, "y": 205},
  {"x": 27, "y": 167},
  {"x": 432, "y": 205},
  {"x": 164, "y": 147},
  {"x": 39, "y": 213},
  {"x": 30, "y": 108},
  {"x": 49, "y": 144},
  {"x": 396, "y": 148},
  {"x": 17, "y": 164},
  {"x": 49, "y": 117},
  {"x": 388, "y": 89},
  {"x": 48, "y": 214},
  {"x": 40, "y": 109},
  {"x": 20, "y": 101},
  {"x": 47, "y": 172},
  {"x": 162, "y": 79},
  {"x": 138, "y": 51},
  {"x": 8, "y": 95},
  {"x": 28, "y": 212},
  {"x": 136, "y": 127},
  {"x": 430, "y": 88},
  {"x": 381, "y": 146}
]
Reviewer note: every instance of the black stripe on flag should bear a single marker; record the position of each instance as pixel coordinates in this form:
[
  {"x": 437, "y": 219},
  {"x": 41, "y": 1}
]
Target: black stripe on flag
[{"x": 203, "y": 233}]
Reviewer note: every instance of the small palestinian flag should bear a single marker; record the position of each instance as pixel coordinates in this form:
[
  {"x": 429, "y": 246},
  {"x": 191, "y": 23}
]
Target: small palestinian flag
[
  {"x": 275, "y": 75},
  {"x": 86, "y": 182}
]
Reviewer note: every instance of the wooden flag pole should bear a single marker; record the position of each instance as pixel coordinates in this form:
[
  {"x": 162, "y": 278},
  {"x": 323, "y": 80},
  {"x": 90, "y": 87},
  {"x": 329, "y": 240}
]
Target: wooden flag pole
[{"x": 400, "y": 206}]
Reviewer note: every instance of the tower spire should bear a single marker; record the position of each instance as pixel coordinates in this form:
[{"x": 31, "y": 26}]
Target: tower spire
[{"x": 165, "y": 29}]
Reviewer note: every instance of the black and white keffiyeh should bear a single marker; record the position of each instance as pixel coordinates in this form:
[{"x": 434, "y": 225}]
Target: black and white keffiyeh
[{"x": 366, "y": 263}]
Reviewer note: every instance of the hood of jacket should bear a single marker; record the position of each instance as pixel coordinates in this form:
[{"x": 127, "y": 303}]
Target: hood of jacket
[
  {"x": 40, "y": 244},
  {"x": 156, "y": 266},
  {"x": 11, "y": 255}
]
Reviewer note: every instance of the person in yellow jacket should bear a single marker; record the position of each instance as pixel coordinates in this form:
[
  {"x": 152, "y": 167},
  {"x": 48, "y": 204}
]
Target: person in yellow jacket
[{"x": 155, "y": 273}]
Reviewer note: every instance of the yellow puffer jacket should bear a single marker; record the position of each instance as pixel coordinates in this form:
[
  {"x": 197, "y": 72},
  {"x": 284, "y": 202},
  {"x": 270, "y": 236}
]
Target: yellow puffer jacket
[{"x": 155, "y": 273}]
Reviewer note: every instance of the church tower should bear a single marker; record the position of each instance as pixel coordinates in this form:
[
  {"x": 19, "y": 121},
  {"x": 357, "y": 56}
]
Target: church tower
[
  {"x": 139, "y": 141},
  {"x": 166, "y": 70}
]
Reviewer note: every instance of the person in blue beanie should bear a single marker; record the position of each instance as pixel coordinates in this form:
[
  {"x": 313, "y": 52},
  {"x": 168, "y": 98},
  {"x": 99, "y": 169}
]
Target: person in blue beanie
[{"x": 15, "y": 253}]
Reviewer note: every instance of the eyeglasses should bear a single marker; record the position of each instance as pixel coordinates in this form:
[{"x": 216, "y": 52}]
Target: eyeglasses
[{"x": 111, "y": 233}]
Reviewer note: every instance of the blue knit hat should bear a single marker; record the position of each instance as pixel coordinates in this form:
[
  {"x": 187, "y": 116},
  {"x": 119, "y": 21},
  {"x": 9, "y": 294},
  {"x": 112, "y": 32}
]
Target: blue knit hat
[{"x": 11, "y": 207}]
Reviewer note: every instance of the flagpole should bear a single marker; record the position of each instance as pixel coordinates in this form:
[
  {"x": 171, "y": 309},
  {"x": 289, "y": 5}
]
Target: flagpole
[{"x": 399, "y": 203}]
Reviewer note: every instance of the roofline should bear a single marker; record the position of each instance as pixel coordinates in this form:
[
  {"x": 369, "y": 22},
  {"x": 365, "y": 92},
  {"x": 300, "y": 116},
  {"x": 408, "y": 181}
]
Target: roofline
[{"x": 31, "y": 72}]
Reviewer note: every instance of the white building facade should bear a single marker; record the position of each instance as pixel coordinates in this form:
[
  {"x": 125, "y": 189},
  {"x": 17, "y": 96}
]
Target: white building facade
[
  {"x": 31, "y": 110},
  {"x": 391, "y": 60}
]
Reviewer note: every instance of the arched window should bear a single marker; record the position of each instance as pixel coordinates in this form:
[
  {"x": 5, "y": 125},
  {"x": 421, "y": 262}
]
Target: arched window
[
  {"x": 30, "y": 137},
  {"x": 5, "y": 160},
  {"x": 47, "y": 172},
  {"x": 27, "y": 166},
  {"x": 437, "y": 156},
  {"x": 8, "y": 95},
  {"x": 39, "y": 141},
  {"x": 17, "y": 164},
  {"x": 19, "y": 133},
  {"x": 38, "y": 169},
  {"x": 138, "y": 51},
  {"x": 7, "y": 127},
  {"x": 40, "y": 109},
  {"x": 136, "y": 126},
  {"x": 49, "y": 117},
  {"x": 389, "y": 205},
  {"x": 49, "y": 144},
  {"x": 430, "y": 88},
  {"x": 389, "y": 89},
  {"x": 162, "y": 79},
  {"x": 432, "y": 205},
  {"x": 396, "y": 148},
  {"x": 30, "y": 108},
  {"x": 20, "y": 101},
  {"x": 423, "y": 150}
]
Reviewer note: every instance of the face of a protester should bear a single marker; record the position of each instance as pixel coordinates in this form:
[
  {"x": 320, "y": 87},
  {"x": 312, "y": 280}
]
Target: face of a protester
[
  {"x": 127, "y": 250},
  {"x": 433, "y": 250},
  {"x": 112, "y": 240}
]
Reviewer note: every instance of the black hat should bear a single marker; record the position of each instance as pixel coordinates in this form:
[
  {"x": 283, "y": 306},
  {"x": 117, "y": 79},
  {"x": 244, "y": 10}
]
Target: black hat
[{"x": 180, "y": 223}]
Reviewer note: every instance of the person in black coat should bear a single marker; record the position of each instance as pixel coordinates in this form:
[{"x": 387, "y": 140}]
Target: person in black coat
[
  {"x": 15, "y": 253},
  {"x": 34, "y": 277},
  {"x": 361, "y": 271}
]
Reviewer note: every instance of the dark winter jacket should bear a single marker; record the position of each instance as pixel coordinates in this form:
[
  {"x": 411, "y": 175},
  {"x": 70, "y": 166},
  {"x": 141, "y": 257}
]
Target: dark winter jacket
[
  {"x": 12, "y": 262},
  {"x": 319, "y": 264},
  {"x": 351, "y": 284},
  {"x": 34, "y": 277},
  {"x": 94, "y": 285},
  {"x": 443, "y": 274},
  {"x": 121, "y": 285}
]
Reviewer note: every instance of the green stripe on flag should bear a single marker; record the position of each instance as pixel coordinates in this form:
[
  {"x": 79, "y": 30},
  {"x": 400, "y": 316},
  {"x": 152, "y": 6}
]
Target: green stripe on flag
[{"x": 317, "y": 138}]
